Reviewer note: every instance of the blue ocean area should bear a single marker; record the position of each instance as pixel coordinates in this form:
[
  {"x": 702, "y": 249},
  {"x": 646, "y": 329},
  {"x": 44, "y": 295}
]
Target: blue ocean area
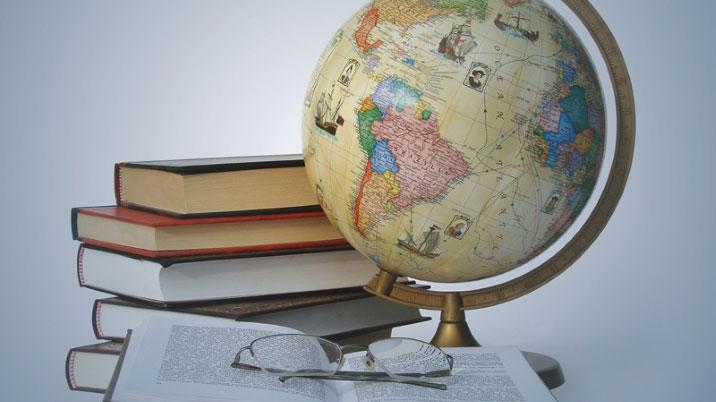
[
  {"x": 578, "y": 160},
  {"x": 382, "y": 159},
  {"x": 568, "y": 72},
  {"x": 575, "y": 105},
  {"x": 566, "y": 135},
  {"x": 393, "y": 92},
  {"x": 574, "y": 198},
  {"x": 565, "y": 45}
]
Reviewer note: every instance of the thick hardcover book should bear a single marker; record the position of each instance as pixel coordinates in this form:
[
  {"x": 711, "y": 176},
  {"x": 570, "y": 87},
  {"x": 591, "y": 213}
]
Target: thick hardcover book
[
  {"x": 152, "y": 235},
  {"x": 89, "y": 368},
  {"x": 173, "y": 281},
  {"x": 332, "y": 316},
  {"x": 105, "y": 327},
  {"x": 216, "y": 186}
]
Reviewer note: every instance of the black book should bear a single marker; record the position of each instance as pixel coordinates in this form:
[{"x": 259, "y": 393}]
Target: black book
[{"x": 333, "y": 316}]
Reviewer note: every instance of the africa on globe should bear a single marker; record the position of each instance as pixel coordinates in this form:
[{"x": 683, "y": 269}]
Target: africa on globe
[{"x": 454, "y": 140}]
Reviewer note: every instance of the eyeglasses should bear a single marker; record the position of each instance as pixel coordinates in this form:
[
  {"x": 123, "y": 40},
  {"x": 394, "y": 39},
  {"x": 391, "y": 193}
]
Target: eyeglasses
[{"x": 401, "y": 360}]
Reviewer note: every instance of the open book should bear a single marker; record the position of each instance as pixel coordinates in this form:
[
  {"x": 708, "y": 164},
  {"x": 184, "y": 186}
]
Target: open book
[{"x": 190, "y": 360}]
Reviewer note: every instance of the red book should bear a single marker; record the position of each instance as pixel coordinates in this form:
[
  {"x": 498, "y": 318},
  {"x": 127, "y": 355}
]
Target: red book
[{"x": 152, "y": 235}]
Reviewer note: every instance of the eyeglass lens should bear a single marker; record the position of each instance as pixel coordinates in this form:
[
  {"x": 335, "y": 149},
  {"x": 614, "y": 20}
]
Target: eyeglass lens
[
  {"x": 291, "y": 354},
  {"x": 410, "y": 357}
]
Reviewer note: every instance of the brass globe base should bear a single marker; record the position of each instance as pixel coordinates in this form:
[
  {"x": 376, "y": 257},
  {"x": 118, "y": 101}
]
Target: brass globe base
[
  {"x": 454, "y": 334},
  {"x": 453, "y": 330}
]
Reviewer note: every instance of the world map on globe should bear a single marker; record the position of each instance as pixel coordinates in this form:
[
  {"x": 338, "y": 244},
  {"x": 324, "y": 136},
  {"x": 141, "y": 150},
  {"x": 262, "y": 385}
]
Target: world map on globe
[{"x": 454, "y": 140}]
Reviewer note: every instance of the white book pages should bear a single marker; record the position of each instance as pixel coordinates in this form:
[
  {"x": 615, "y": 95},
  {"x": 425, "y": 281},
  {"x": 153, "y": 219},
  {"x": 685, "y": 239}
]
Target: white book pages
[
  {"x": 486, "y": 374},
  {"x": 190, "y": 360}
]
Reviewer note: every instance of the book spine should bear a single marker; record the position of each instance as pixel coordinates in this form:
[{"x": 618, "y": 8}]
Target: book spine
[
  {"x": 80, "y": 266},
  {"x": 70, "y": 369},
  {"x": 96, "y": 319},
  {"x": 73, "y": 223},
  {"x": 118, "y": 184}
]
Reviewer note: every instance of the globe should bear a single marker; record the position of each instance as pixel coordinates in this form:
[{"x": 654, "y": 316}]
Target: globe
[{"x": 454, "y": 140}]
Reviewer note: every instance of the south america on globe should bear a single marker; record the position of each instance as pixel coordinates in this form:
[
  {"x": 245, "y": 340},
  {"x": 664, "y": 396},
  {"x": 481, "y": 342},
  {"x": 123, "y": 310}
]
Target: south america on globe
[{"x": 454, "y": 140}]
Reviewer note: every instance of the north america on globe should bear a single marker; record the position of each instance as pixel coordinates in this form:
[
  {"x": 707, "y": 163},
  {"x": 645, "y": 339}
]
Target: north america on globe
[{"x": 454, "y": 140}]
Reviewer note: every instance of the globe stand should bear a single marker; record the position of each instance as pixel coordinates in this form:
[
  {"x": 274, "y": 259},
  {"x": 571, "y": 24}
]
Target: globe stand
[{"x": 452, "y": 331}]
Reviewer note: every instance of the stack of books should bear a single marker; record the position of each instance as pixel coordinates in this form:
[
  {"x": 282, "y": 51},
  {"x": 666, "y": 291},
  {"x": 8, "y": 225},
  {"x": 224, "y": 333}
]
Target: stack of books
[{"x": 224, "y": 239}]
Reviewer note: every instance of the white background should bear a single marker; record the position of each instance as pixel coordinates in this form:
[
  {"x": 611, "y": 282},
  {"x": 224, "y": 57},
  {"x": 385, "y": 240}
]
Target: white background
[{"x": 84, "y": 84}]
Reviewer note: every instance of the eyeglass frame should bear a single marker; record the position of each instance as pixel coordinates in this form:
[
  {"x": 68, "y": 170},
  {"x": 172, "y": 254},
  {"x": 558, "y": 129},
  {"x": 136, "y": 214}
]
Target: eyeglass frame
[{"x": 370, "y": 359}]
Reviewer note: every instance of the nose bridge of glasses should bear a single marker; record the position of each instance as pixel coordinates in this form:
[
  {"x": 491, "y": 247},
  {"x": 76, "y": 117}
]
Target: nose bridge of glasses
[
  {"x": 369, "y": 360},
  {"x": 348, "y": 348}
]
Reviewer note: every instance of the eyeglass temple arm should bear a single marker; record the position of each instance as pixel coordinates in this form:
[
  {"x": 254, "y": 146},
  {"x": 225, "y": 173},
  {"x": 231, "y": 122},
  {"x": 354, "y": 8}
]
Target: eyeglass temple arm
[
  {"x": 370, "y": 376},
  {"x": 237, "y": 360}
]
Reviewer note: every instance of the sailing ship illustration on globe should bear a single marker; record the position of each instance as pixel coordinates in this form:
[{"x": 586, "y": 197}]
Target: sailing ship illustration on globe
[
  {"x": 426, "y": 245},
  {"x": 327, "y": 115},
  {"x": 516, "y": 30},
  {"x": 458, "y": 43}
]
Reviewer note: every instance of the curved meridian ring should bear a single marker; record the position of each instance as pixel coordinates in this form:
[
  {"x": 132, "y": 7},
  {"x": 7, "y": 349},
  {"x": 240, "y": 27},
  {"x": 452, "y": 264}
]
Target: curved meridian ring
[{"x": 383, "y": 284}]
